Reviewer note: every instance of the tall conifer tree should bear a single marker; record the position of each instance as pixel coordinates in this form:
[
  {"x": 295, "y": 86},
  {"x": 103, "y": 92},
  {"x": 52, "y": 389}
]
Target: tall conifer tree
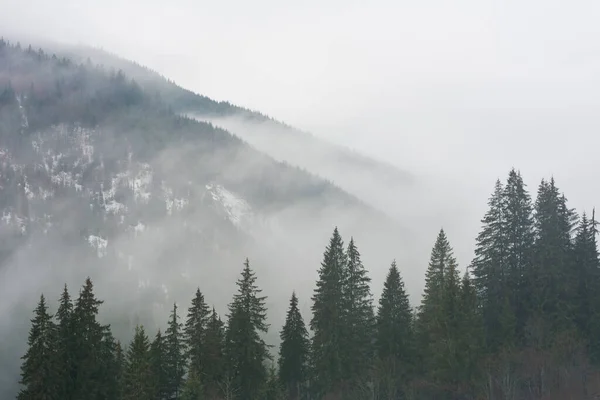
[
  {"x": 359, "y": 321},
  {"x": 327, "y": 321},
  {"x": 214, "y": 371},
  {"x": 174, "y": 355},
  {"x": 158, "y": 368},
  {"x": 293, "y": 352},
  {"x": 88, "y": 341},
  {"x": 66, "y": 344},
  {"x": 138, "y": 373},
  {"x": 246, "y": 349},
  {"x": 194, "y": 333},
  {"x": 395, "y": 342},
  {"x": 40, "y": 368}
]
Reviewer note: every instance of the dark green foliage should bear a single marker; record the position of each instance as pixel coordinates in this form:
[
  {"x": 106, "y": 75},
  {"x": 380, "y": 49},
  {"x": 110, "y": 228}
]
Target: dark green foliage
[
  {"x": 273, "y": 389},
  {"x": 585, "y": 295},
  {"x": 293, "y": 352},
  {"x": 110, "y": 371},
  {"x": 550, "y": 280},
  {"x": 174, "y": 355},
  {"x": 119, "y": 371},
  {"x": 193, "y": 388},
  {"x": 359, "y": 320},
  {"x": 439, "y": 318},
  {"x": 395, "y": 340},
  {"x": 138, "y": 379},
  {"x": 520, "y": 236},
  {"x": 214, "y": 356},
  {"x": 89, "y": 335},
  {"x": 327, "y": 321},
  {"x": 158, "y": 368},
  {"x": 539, "y": 275},
  {"x": 40, "y": 369},
  {"x": 490, "y": 270},
  {"x": 245, "y": 348},
  {"x": 195, "y": 332},
  {"x": 66, "y": 345}
]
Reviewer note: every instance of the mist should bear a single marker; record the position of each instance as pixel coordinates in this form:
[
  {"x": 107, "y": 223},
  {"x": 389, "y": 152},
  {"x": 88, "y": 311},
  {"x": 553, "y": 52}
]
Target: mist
[{"x": 449, "y": 96}]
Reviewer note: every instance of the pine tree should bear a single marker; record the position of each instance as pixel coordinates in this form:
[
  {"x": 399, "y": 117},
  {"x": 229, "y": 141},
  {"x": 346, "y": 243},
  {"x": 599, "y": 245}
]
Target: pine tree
[
  {"x": 438, "y": 316},
  {"x": 585, "y": 297},
  {"x": 550, "y": 282},
  {"x": 214, "y": 371},
  {"x": 138, "y": 374},
  {"x": 293, "y": 352},
  {"x": 469, "y": 336},
  {"x": 88, "y": 341},
  {"x": 359, "y": 321},
  {"x": 520, "y": 235},
  {"x": 109, "y": 376},
  {"x": 174, "y": 355},
  {"x": 158, "y": 368},
  {"x": 193, "y": 388},
  {"x": 490, "y": 270},
  {"x": 395, "y": 342},
  {"x": 327, "y": 321},
  {"x": 120, "y": 370},
  {"x": 273, "y": 388},
  {"x": 194, "y": 333},
  {"x": 66, "y": 344},
  {"x": 40, "y": 368},
  {"x": 246, "y": 350}
]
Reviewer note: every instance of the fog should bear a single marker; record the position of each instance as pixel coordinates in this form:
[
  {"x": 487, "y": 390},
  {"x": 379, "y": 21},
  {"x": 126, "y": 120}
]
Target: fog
[{"x": 454, "y": 94}]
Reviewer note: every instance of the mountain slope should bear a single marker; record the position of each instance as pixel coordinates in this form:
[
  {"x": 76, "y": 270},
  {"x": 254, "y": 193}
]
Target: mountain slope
[
  {"x": 370, "y": 180},
  {"x": 100, "y": 177}
]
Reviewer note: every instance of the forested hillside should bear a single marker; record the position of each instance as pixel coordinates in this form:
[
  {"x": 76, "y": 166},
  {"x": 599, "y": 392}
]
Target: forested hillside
[
  {"x": 521, "y": 321},
  {"x": 100, "y": 177},
  {"x": 373, "y": 181}
]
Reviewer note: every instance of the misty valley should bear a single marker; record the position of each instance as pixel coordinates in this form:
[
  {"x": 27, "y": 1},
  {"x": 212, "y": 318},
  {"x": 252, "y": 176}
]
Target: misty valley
[{"x": 156, "y": 244}]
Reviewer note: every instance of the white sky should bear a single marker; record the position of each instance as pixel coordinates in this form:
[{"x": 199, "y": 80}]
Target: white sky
[{"x": 465, "y": 89}]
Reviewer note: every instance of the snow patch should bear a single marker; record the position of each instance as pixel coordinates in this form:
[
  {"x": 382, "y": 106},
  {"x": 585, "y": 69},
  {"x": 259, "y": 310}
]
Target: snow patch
[
  {"x": 98, "y": 243},
  {"x": 237, "y": 208},
  {"x": 140, "y": 183},
  {"x": 139, "y": 228},
  {"x": 171, "y": 202}
]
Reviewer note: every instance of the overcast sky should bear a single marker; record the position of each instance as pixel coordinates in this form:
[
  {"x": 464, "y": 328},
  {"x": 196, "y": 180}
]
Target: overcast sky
[{"x": 463, "y": 88}]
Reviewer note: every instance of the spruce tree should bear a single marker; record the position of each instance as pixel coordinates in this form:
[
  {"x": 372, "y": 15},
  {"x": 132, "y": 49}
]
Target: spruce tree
[
  {"x": 66, "y": 344},
  {"x": 469, "y": 335},
  {"x": 359, "y": 321},
  {"x": 551, "y": 283},
  {"x": 138, "y": 384},
  {"x": 246, "y": 350},
  {"x": 88, "y": 341},
  {"x": 441, "y": 262},
  {"x": 41, "y": 364},
  {"x": 585, "y": 296},
  {"x": 438, "y": 317},
  {"x": 214, "y": 370},
  {"x": 273, "y": 389},
  {"x": 520, "y": 236},
  {"x": 174, "y": 355},
  {"x": 395, "y": 342},
  {"x": 490, "y": 270},
  {"x": 109, "y": 365},
  {"x": 120, "y": 363},
  {"x": 194, "y": 333},
  {"x": 193, "y": 388},
  {"x": 158, "y": 367},
  {"x": 327, "y": 321},
  {"x": 293, "y": 352}
]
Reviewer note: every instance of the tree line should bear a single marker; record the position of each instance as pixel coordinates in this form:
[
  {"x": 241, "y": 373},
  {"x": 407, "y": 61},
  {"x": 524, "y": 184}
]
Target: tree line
[{"x": 522, "y": 322}]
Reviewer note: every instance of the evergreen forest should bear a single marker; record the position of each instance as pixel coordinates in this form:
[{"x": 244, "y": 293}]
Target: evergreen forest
[{"x": 520, "y": 321}]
